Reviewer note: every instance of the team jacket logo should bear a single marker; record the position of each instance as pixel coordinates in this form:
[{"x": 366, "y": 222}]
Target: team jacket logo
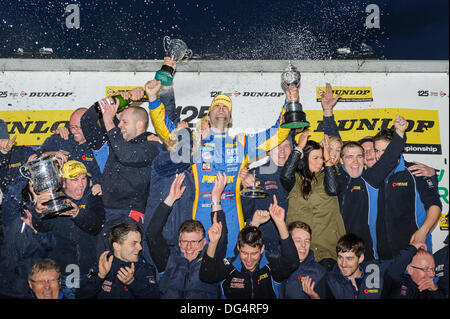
[
  {"x": 399, "y": 184},
  {"x": 348, "y": 93},
  {"x": 237, "y": 283},
  {"x": 403, "y": 290},
  {"x": 107, "y": 286},
  {"x": 262, "y": 277},
  {"x": 370, "y": 291},
  {"x": 443, "y": 222},
  {"x": 15, "y": 165}
]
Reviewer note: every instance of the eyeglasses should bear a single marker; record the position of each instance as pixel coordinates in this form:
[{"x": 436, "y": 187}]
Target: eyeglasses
[
  {"x": 43, "y": 281},
  {"x": 192, "y": 242},
  {"x": 431, "y": 269}
]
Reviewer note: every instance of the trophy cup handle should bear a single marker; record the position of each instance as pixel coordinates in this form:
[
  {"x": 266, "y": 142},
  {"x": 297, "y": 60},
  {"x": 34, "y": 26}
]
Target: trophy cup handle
[
  {"x": 166, "y": 39},
  {"x": 60, "y": 163},
  {"x": 189, "y": 54},
  {"x": 22, "y": 173}
]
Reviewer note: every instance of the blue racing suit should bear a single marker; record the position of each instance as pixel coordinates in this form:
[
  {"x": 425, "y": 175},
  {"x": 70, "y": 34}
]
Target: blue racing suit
[{"x": 223, "y": 153}]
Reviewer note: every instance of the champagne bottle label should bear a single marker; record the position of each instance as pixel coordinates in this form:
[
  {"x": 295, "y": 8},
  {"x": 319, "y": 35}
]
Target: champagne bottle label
[
  {"x": 111, "y": 101},
  {"x": 103, "y": 103}
]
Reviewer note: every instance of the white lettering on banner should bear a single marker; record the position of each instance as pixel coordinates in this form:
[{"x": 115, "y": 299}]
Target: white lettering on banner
[{"x": 393, "y": 92}]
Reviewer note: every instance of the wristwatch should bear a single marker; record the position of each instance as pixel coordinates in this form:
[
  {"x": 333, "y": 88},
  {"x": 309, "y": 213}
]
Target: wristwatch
[
  {"x": 215, "y": 203},
  {"x": 299, "y": 150}
]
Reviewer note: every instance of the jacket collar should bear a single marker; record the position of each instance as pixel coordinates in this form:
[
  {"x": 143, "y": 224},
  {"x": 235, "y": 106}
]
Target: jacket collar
[
  {"x": 337, "y": 271},
  {"x": 198, "y": 258},
  {"x": 309, "y": 259}
]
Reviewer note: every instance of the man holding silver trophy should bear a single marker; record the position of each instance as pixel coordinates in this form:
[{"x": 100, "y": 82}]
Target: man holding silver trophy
[
  {"x": 216, "y": 151},
  {"x": 76, "y": 228}
]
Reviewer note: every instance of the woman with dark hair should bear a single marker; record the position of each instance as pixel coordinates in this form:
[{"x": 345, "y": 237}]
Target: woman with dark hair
[{"x": 310, "y": 177}]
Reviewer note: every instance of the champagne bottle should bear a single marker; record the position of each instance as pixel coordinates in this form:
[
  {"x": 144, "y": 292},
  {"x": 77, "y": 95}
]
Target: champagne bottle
[
  {"x": 165, "y": 75},
  {"x": 100, "y": 105}
]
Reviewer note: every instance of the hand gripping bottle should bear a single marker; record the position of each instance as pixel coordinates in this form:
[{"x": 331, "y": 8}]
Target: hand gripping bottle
[{"x": 111, "y": 100}]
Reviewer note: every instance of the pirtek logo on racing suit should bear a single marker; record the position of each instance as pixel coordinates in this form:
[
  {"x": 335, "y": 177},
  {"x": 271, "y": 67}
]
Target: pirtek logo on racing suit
[{"x": 212, "y": 179}]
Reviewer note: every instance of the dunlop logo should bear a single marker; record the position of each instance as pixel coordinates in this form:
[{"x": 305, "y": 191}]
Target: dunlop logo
[{"x": 349, "y": 93}]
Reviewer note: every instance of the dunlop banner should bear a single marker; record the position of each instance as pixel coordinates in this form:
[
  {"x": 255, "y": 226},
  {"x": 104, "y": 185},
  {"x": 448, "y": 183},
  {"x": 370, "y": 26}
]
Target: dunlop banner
[
  {"x": 33, "y": 127},
  {"x": 423, "y": 132}
]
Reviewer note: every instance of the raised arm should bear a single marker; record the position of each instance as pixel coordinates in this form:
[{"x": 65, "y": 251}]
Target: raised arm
[
  {"x": 287, "y": 175},
  {"x": 266, "y": 140},
  {"x": 160, "y": 118},
  {"x": 331, "y": 179},
  {"x": 284, "y": 265},
  {"x": 157, "y": 245},
  {"x": 376, "y": 174},
  {"x": 328, "y": 103}
]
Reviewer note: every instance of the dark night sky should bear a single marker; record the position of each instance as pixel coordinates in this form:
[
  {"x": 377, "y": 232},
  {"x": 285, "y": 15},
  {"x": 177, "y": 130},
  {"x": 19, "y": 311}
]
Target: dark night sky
[{"x": 232, "y": 29}]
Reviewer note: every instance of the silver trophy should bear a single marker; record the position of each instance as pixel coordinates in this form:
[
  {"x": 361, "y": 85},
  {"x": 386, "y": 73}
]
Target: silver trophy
[
  {"x": 254, "y": 191},
  {"x": 176, "y": 49},
  {"x": 45, "y": 174},
  {"x": 294, "y": 117}
]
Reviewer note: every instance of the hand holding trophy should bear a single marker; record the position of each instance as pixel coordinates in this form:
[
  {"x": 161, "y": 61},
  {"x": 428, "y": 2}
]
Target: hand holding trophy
[
  {"x": 251, "y": 185},
  {"x": 176, "y": 50},
  {"x": 294, "y": 117}
]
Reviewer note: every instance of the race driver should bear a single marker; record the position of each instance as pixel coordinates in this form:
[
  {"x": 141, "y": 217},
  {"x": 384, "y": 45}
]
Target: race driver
[{"x": 215, "y": 152}]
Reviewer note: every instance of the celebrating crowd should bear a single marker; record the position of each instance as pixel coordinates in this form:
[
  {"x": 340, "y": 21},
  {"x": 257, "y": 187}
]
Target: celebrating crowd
[{"x": 161, "y": 215}]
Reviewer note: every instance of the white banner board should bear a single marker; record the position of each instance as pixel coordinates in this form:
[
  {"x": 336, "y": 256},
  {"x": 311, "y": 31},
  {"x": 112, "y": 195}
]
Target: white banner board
[{"x": 35, "y": 102}]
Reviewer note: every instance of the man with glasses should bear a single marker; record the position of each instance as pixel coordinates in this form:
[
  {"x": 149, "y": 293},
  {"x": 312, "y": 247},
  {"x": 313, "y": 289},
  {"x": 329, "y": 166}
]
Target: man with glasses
[
  {"x": 418, "y": 281},
  {"x": 179, "y": 265},
  {"x": 44, "y": 280}
]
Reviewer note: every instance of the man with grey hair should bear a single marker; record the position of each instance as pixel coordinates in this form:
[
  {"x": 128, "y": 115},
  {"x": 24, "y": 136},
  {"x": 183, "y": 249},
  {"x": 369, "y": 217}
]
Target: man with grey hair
[
  {"x": 44, "y": 280},
  {"x": 418, "y": 281}
]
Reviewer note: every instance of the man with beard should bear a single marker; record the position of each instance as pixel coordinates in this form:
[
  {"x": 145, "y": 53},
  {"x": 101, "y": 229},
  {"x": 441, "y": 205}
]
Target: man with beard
[
  {"x": 352, "y": 276},
  {"x": 126, "y": 176},
  {"x": 215, "y": 152}
]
